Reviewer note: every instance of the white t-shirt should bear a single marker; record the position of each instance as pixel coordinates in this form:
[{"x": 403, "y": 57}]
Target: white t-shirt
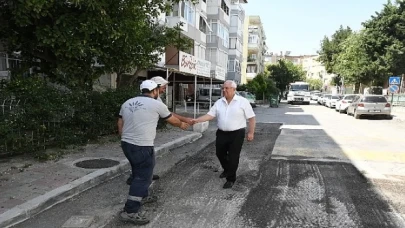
[
  {"x": 140, "y": 116},
  {"x": 233, "y": 116}
]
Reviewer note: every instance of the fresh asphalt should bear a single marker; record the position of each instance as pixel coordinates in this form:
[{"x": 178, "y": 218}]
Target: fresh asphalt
[{"x": 306, "y": 180}]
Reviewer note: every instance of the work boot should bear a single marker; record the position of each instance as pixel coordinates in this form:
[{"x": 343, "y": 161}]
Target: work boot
[
  {"x": 149, "y": 199},
  {"x": 136, "y": 218}
]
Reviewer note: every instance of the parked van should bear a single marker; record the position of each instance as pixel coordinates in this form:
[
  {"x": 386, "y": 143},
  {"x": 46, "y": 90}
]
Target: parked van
[{"x": 204, "y": 94}]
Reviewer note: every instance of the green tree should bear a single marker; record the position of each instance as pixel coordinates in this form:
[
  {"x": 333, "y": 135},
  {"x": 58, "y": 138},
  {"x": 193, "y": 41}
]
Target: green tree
[
  {"x": 285, "y": 72},
  {"x": 74, "y": 42},
  {"x": 331, "y": 48},
  {"x": 314, "y": 84},
  {"x": 384, "y": 42}
]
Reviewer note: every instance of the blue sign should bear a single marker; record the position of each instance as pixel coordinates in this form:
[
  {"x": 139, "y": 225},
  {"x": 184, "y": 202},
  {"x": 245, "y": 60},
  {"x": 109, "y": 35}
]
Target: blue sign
[
  {"x": 395, "y": 80},
  {"x": 394, "y": 88}
]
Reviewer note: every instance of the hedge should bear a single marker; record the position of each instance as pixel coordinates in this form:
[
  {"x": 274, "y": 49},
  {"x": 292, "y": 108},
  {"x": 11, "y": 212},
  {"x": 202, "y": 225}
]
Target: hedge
[{"x": 36, "y": 115}]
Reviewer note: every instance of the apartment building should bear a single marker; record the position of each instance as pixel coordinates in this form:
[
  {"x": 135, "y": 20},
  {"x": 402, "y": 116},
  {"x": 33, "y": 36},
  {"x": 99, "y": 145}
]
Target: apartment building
[
  {"x": 194, "y": 26},
  {"x": 256, "y": 47},
  {"x": 219, "y": 14},
  {"x": 315, "y": 69},
  {"x": 236, "y": 39},
  {"x": 273, "y": 58}
]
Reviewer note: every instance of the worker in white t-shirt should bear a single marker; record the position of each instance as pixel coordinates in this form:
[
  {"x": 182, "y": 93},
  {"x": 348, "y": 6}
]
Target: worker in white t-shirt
[
  {"x": 162, "y": 85},
  {"x": 137, "y": 124},
  {"x": 231, "y": 112}
]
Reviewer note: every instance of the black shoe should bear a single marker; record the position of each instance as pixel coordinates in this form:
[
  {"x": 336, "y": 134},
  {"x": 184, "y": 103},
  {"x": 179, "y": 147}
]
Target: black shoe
[
  {"x": 228, "y": 184},
  {"x": 223, "y": 175},
  {"x": 129, "y": 180},
  {"x": 155, "y": 177}
]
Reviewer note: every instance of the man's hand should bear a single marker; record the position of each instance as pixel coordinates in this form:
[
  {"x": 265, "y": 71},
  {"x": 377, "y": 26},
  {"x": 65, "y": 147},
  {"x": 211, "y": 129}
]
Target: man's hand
[
  {"x": 194, "y": 121},
  {"x": 189, "y": 121},
  {"x": 184, "y": 125},
  {"x": 250, "y": 136}
]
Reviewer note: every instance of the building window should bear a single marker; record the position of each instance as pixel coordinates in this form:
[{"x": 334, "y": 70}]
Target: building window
[
  {"x": 251, "y": 69},
  {"x": 203, "y": 25},
  {"x": 188, "y": 12},
  {"x": 231, "y": 65},
  {"x": 224, "y": 7},
  {"x": 175, "y": 10}
]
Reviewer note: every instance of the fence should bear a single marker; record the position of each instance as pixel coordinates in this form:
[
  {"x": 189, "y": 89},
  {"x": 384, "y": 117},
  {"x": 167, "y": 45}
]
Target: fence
[{"x": 397, "y": 99}]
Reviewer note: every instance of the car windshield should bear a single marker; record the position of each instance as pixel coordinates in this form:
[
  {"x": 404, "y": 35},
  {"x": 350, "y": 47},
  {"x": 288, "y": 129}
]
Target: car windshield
[
  {"x": 335, "y": 97},
  {"x": 375, "y": 99},
  {"x": 299, "y": 87},
  {"x": 349, "y": 97}
]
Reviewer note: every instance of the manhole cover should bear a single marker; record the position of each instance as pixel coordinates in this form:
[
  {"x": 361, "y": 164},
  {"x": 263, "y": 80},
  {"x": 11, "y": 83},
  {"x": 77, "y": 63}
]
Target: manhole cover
[{"x": 98, "y": 163}]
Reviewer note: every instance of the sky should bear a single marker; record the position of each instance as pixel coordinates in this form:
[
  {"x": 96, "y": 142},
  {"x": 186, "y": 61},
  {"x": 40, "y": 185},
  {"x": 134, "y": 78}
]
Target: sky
[{"x": 299, "y": 25}]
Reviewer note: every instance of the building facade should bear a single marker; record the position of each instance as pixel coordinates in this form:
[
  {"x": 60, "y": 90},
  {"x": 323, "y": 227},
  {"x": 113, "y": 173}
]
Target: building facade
[
  {"x": 315, "y": 69},
  {"x": 256, "y": 47},
  {"x": 236, "y": 39},
  {"x": 219, "y": 14},
  {"x": 194, "y": 26}
]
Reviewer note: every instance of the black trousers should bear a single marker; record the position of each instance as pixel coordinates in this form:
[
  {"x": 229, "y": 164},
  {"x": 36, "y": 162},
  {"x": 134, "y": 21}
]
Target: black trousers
[{"x": 228, "y": 146}]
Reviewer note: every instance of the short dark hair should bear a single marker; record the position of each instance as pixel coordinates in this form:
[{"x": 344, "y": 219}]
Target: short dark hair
[{"x": 143, "y": 91}]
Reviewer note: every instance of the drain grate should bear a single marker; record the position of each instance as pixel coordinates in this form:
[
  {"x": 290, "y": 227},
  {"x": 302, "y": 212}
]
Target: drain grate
[{"x": 99, "y": 163}]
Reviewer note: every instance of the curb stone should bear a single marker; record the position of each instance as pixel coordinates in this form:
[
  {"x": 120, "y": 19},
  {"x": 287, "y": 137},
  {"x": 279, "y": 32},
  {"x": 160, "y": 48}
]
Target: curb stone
[{"x": 41, "y": 203}]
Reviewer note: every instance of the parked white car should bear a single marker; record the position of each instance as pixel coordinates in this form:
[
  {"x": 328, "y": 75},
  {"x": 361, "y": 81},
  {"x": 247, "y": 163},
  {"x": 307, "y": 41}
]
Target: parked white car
[
  {"x": 325, "y": 98},
  {"x": 331, "y": 102},
  {"x": 342, "y": 104},
  {"x": 315, "y": 96}
]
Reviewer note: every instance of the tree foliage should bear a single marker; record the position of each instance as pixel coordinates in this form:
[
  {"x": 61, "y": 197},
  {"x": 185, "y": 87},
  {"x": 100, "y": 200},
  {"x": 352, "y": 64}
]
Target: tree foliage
[
  {"x": 371, "y": 55},
  {"x": 331, "y": 48},
  {"x": 314, "y": 83},
  {"x": 285, "y": 72},
  {"x": 74, "y": 42}
]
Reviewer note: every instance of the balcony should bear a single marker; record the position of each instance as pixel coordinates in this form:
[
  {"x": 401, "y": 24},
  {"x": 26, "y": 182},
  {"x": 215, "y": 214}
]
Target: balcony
[
  {"x": 253, "y": 46},
  {"x": 250, "y": 76},
  {"x": 251, "y": 59},
  {"x": 175, "y": 20}
]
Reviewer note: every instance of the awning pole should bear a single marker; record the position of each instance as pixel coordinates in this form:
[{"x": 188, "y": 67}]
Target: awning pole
[
  {"x": 166, "y": 94},
  {"x": 210, "y": 92},
  {"x": 174, "y": 94},
  {"x": 195, "y": 95}
]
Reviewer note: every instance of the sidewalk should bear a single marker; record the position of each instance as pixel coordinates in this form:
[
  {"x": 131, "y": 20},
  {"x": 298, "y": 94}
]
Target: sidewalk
[
  {"x": 398, "y": 113},
  {"x": 28, "y": 186}
]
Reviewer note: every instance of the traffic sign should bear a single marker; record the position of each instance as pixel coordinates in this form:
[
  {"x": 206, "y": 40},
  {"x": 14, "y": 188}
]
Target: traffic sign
[
  {"x": 394, "y": 88},
  {"x": 395, "y": 80}
]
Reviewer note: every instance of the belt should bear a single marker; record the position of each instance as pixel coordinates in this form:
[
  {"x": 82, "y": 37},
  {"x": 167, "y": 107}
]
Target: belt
[{"x": 241, "y": 129}]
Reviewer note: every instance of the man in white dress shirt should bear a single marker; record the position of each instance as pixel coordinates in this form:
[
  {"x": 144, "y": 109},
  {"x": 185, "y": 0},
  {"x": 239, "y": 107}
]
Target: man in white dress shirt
[{"x": 231, "y": 112}]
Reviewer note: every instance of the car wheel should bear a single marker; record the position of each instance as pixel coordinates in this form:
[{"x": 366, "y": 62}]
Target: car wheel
[
  {"x": 389, "y": 117},
  {"x": 356, "y": 116}
]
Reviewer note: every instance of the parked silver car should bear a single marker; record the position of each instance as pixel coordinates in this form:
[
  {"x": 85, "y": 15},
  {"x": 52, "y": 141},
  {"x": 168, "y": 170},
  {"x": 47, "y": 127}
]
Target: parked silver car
[
  {"x": 369, "y": 105},
  {"x": 343, "y": 104}
]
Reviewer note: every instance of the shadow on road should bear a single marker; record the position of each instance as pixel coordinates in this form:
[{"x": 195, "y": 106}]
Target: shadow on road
[{"x": 308, "y": 181}]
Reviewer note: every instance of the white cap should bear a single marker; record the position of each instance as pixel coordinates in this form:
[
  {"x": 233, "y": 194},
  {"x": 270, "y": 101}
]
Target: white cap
[
  {"x": 159, "y": 80},
  {"x": 148, "y": 84}
]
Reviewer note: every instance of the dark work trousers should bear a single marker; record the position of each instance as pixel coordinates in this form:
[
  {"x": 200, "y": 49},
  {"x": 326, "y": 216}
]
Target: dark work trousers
[
  {"x": 228, "y": 146},
  {"x": 142, "y": 160}
]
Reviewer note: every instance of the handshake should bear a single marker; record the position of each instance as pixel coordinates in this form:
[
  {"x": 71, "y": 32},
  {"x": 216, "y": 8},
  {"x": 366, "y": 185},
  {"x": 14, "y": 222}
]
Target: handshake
[{"x": 188, "y": 122}]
